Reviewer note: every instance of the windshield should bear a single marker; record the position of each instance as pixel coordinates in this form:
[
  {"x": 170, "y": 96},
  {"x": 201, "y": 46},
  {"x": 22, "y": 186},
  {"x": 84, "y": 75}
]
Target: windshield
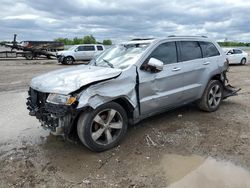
[
  {"x": 72, "y": 48},
  {"x": 120, "y": 56}
]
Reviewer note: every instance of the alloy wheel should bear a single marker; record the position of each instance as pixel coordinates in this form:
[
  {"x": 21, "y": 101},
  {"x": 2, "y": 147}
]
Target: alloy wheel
[
  {"x": 106, "y": 126},
  {"x": 214, "y": 96}
]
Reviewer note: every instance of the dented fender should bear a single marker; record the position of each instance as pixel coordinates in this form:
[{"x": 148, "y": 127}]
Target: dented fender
[{"x": 103, "y": 92}]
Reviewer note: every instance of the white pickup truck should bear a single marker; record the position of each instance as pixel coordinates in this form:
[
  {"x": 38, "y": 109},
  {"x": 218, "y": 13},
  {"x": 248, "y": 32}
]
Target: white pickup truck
[{"x": 79, "y": 52}]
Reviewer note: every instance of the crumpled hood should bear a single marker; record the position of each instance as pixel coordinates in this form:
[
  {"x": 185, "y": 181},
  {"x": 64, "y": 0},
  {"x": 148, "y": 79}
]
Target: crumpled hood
[{"x": 65, "y": 81}]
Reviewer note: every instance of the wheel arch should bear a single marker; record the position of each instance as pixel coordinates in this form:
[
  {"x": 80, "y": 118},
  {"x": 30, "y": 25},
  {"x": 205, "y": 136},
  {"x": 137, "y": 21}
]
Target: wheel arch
[{"x": 69, "y": 56}]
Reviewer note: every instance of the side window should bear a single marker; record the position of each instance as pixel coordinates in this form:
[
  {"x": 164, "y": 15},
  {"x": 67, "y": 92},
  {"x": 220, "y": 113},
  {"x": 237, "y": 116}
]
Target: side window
[
  {"x": 165, "y": 52},
  {"x": 80, "y": 48},
  {"x": 208, "y": 49},
  {"x": 88, "y": 48},
  {"x": 99, "y": 48},
  {"x": 236, "y": 51},
  {"x": 190, "y": 50}
]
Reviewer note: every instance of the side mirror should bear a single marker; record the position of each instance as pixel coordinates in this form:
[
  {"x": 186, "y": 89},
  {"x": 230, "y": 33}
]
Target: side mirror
[
  {"x": 156, "y": 64},
  {"x": 76, "y": 50},
  {"x": 229, "y": 52}
]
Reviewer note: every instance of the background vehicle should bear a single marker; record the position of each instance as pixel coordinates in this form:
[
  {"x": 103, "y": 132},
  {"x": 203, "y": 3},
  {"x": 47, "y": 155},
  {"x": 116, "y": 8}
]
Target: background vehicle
[
  {"x": 236, "y": 56},
  {"x": 79, "y": 52},
  {"x": 31, "y": 49},
  {"x": 127, "y": 83}
]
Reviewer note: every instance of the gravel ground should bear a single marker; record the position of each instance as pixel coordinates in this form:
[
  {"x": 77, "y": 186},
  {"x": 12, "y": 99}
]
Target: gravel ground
[{"x": 181, "y": 147}]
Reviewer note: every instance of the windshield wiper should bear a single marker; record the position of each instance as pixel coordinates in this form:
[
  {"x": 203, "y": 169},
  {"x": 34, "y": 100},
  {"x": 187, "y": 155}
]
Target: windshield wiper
[{"x": 108, "y": 63}]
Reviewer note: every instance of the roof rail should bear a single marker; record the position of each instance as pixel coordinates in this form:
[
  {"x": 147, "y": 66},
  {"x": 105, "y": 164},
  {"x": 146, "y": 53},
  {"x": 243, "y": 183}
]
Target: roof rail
[
  {"x": 187, "y": 36},
  {"x": 142, "y": 39}
]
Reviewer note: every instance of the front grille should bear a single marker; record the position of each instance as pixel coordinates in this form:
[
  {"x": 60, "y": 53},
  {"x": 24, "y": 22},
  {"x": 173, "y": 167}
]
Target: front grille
[
  {"x": 38, "y": 99},
  {"x": 36, "y": 104}
]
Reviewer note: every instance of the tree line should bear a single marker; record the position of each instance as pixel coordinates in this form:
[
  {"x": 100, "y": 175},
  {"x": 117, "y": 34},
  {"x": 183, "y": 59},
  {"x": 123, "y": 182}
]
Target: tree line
[
  {"x": 89, "y": 39},
  {"x": 231, "y": 43}
]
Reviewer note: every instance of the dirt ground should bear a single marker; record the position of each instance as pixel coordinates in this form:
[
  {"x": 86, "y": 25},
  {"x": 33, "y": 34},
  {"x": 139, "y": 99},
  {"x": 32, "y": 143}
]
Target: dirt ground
[{"x": 181, "y": 148}]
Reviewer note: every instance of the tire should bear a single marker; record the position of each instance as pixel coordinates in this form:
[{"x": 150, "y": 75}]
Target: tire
[
  {"x": 68, "y": 60},
  {"x": 243, "y": 61},
  {"x": 97, "y": 131},
  {"x": 212, "y": 96},
  {"x": 49, "y": 57},
  {"x": 29, "y": 56}
]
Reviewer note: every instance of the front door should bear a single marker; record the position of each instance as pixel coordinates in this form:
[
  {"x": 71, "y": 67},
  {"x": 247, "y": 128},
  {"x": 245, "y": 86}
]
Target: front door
[{"x": 161, "y": 90}]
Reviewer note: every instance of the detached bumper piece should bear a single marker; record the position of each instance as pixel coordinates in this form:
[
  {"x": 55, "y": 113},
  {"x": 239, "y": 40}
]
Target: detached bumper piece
[
  {"x": 230, "y": 91},
  {"x": 51, "y": 116}
]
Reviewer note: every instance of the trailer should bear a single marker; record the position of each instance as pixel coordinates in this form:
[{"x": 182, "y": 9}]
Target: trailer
[{"x": 31, "y": 49}]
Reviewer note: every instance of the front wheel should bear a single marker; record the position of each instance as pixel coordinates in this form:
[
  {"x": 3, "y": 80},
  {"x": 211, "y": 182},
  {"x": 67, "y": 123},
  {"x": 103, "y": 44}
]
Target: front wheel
[
  {"x": 243, "y": 61},
  {"x": 68, "y": 60},
  {"x": 102, "y": 128},
  {"x": 212, "y": 96},
  {"x": 29, "y": 56}
]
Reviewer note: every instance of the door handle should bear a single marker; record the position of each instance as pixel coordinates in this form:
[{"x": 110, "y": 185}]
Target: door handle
[
  {"x": 176, "y": 69},
  {"x": 206, "y": 63}
]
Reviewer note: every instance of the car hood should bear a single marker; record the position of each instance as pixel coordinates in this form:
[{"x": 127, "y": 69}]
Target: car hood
[
  {"x": 62, "y": 52},
  {"x": 65, "y": 81}
]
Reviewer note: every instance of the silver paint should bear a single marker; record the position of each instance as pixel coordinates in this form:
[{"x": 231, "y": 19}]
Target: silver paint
[{"x": 65, "y": 81}]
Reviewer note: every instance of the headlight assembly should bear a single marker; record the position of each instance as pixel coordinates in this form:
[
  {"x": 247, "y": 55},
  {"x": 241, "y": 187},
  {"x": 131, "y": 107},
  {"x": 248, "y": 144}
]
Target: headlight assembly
[{"x": 60, "y": 99}]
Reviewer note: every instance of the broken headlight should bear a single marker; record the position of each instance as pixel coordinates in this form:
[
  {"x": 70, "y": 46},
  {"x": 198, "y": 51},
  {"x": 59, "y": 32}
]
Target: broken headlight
[{"x": 60, "y": 99}]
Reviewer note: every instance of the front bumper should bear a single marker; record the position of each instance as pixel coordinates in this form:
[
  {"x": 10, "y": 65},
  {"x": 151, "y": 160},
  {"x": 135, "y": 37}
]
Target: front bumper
[
  {"x": 52, "y": 116},
  {"x": 60, "y": 58}
]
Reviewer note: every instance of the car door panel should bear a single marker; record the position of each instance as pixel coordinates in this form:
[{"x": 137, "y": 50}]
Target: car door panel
[
  {"x": 192, "y": 78},
  {"x": 160, "y": 90},
  {"x": 193, "y": 68}
]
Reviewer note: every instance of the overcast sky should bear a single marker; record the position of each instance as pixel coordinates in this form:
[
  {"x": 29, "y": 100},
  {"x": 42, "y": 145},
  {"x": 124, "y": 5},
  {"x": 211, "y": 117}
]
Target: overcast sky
[{"x": 125, "y": 19}]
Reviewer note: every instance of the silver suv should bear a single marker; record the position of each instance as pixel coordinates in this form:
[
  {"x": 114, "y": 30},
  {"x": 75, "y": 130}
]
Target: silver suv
[
  {"x": 127, "y": 83},
  {"x": 79, "y": 53}
]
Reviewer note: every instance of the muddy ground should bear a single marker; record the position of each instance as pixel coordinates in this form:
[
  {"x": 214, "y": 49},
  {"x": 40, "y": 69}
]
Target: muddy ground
[{"x": 180, "y": 148}]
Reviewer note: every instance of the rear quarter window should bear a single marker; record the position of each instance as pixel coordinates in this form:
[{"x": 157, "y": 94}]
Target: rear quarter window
[
  {"x": 209, "y": 49},
  {"x": 99, "y": 48},
  {"x": 190, "y": 50}
]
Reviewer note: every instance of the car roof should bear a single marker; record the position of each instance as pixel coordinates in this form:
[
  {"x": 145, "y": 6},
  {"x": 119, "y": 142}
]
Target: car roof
[
  {"x": 171, "y": 37},
  {"x": 89, "y": 45}
]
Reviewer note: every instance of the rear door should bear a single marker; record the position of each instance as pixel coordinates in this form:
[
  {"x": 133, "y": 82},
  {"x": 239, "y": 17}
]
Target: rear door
[
  {"x": 199, "y": 60},
  {"x": 193, "y": 66},
  {"x": 160, "y": 90},
  {"x": 238, "y": 55},
  {"x": 89, "y": 51}
]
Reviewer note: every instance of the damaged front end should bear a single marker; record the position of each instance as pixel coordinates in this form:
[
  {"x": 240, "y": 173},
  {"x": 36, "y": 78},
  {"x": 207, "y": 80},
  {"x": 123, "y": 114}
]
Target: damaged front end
[{"x": 58, "y": 118}]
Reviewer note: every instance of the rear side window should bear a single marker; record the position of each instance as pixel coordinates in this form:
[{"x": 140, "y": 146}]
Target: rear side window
[
  {"x": 236, "y": 51},
  {"x": 190, "y": 50},
  {"x": 88, "y": 48},
  {"x": 209, "y": 49},
  {"x": 165, "y": 52},
  {"x": 99, "y": 48}
]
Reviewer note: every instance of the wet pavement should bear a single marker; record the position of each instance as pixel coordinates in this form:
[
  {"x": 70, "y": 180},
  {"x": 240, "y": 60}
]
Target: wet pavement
[{"x": 196, "y": 172}]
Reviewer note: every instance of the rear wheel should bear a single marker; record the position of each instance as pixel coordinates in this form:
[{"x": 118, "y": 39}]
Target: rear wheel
[
  {"x": 68, "y": 60},
  {"x": 29, "y": 56},
  {"x": 102, "y": 128},
  {"x": 243, "y": 61},
  {"x": 212, "y": 96}
]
